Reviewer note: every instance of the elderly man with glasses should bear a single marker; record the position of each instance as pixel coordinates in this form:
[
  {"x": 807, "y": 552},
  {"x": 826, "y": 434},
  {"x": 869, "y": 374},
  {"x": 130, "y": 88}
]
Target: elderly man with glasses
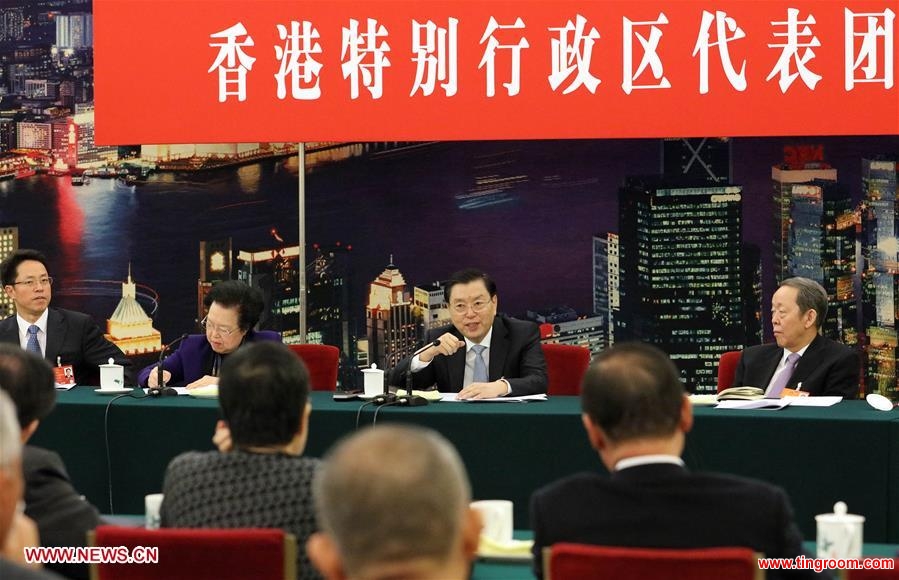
[
  {"x": 61, "y": 336},
  {"x": 484, "y": 354},
  {"x": 233, "y": 309}
]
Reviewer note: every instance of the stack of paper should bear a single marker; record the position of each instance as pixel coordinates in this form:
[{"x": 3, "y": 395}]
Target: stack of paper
[
  {"x": 451, "y": 398},
  {"x": 756, "y": 404}
]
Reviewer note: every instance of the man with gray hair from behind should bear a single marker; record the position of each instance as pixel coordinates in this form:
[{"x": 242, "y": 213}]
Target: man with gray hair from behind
[
  {"x": 16, "y": 530},
  {"x": 393, "y": 502}
]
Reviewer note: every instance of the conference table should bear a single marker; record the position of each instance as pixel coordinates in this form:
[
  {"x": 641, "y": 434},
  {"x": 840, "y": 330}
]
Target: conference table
[{"x": 847, "y": 452}]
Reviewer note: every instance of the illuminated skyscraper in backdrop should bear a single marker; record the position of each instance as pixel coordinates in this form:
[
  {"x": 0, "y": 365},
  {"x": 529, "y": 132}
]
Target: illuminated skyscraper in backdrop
[
  {"x": 9, "y": 243},
  {"x": 75, "y": 30},
  {"x": 393, "y": 331},
  {"x": 880, "y": 275},
  {"x": 683, "y": 289}
]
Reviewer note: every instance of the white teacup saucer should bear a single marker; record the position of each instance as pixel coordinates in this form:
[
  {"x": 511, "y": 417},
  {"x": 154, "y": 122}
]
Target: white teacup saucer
[{"x": 879, "y": 402}]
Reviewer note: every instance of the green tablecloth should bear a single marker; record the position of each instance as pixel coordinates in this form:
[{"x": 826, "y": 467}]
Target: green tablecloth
[{"x": 848, "y": 452}]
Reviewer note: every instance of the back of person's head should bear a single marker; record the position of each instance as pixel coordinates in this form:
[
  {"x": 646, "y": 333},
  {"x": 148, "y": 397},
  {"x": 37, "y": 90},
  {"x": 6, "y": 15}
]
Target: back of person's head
[
  {"x": 10, "y": 464},
  {"x": 10, "y": 441},
  {"x": 263, "y": 391},
  {"x": 633, "y": 391},
  {"x": 10, "y": 266},
  {"x": 809, "y": 296},
  {"x": 248, "y": 301},
  {"x": 28, "y": 379},
  {"x": 392, "y": 494}
]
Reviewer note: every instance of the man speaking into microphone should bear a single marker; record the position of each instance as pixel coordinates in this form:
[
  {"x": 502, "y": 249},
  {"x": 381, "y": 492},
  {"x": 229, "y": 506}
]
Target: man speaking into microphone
[{"x": 484, "y": 355}]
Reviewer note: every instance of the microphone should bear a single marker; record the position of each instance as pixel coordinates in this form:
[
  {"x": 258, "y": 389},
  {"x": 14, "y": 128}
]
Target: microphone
[
  {"x": 389, "y": 397},
  {"x": 410, "y": 400},
  {"x": 160, "y": 390}
]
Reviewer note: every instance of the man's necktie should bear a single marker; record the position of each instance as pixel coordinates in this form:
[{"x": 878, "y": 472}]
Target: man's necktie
[
  {"x": 776, "y": 389},
  {"x": 33, "y": 345},
  {"x": 480, "y": 367}
]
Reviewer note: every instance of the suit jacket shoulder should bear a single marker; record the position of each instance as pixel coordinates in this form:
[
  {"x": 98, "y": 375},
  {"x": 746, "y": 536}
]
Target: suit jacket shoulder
[
  {"x": 9, "y": 330},
  {"x": 52, "y": 501},
  {"x": 523, "y": 363},
  {"x": 663, "y": 505},
  {"x": 826, "y": 368},
  {"x": 62, "y": 515},
  {"x": 75, "y": 338},
  {"x": 10, "y": 571},
  {"x": 263, "y": 335}
]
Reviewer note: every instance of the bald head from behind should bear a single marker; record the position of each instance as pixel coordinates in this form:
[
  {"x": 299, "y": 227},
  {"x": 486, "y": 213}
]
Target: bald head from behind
[
  {"x": 634, "y": 404},
  {"x": 393, "y": 502}
]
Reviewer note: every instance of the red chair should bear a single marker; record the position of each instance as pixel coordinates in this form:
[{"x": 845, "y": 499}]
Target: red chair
[
  {"x": 727, "y": 368},
  {"x": 197, "y": 554},
  {"x": 881, "y": 574},
  {"x": 565, "y": 365},
  {"x": 583, "y": 562},
  {"x": 322, "y": 361}
]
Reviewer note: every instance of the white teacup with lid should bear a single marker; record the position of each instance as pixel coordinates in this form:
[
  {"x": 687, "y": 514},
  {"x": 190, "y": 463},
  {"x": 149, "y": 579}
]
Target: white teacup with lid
[
  {"x": 373, "y": 381},
  {"x": 496, "y": 517},
  {"x": 112, "y": 376},
  {"x": 840, "y": 533}
]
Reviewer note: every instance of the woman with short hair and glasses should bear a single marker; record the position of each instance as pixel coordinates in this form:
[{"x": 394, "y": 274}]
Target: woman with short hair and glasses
[{"x": 233, "y": 309}]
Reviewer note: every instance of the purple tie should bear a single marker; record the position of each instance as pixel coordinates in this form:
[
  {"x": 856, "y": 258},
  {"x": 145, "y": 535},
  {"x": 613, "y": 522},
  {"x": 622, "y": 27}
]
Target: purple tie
[{"x": 776, "y": 389}]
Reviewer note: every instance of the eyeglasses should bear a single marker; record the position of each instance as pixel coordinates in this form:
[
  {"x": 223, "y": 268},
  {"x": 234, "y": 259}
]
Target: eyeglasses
[
  {"x": 476, "y": 306},
  {"x": 32, "y": 283},
  {"x": 216, "y": 329}
]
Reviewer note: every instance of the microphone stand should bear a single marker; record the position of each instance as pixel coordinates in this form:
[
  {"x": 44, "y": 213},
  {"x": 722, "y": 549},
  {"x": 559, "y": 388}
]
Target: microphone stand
[
  {"x": 410, "y": 400},
  {"x": 387, "y": 398},
  {"x": 160, "y": 388}
]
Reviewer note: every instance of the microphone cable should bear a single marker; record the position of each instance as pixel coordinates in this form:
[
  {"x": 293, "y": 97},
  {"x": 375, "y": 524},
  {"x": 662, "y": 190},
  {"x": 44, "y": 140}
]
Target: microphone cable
[
  {"x": 374, "y": 419},
  {"x": 106, "y": 442},
  {"x": 359, "y": 412}
]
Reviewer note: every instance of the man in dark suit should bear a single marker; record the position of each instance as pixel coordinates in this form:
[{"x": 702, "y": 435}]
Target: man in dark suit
[
  {"x": 637, "y": 415},
  {"x": 62, "y": 515},
  {"x": 17, "y": 531},
  {"x": 802, "y": 359},
  {"x": 63, "y": 336},
  {"x": 484, "y": 355}
]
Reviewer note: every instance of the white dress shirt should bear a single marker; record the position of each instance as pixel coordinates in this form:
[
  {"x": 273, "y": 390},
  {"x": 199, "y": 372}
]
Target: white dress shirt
[{"x": 648, "y": 460}]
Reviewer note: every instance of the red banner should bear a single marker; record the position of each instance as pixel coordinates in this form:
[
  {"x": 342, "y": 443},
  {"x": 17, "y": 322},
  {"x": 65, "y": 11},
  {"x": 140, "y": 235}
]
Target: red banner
[{"x": 194, "y": 71}]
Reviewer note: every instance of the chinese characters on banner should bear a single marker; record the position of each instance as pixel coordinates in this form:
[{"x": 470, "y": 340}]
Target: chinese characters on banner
[{"x": 445, "y": 70}]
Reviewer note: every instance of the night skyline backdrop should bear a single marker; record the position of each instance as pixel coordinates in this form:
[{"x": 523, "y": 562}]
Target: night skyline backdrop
[{"x": 401, "y": 204}]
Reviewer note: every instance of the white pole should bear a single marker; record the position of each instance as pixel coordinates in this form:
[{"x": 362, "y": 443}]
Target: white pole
[{"x": 301, "y": 152}]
